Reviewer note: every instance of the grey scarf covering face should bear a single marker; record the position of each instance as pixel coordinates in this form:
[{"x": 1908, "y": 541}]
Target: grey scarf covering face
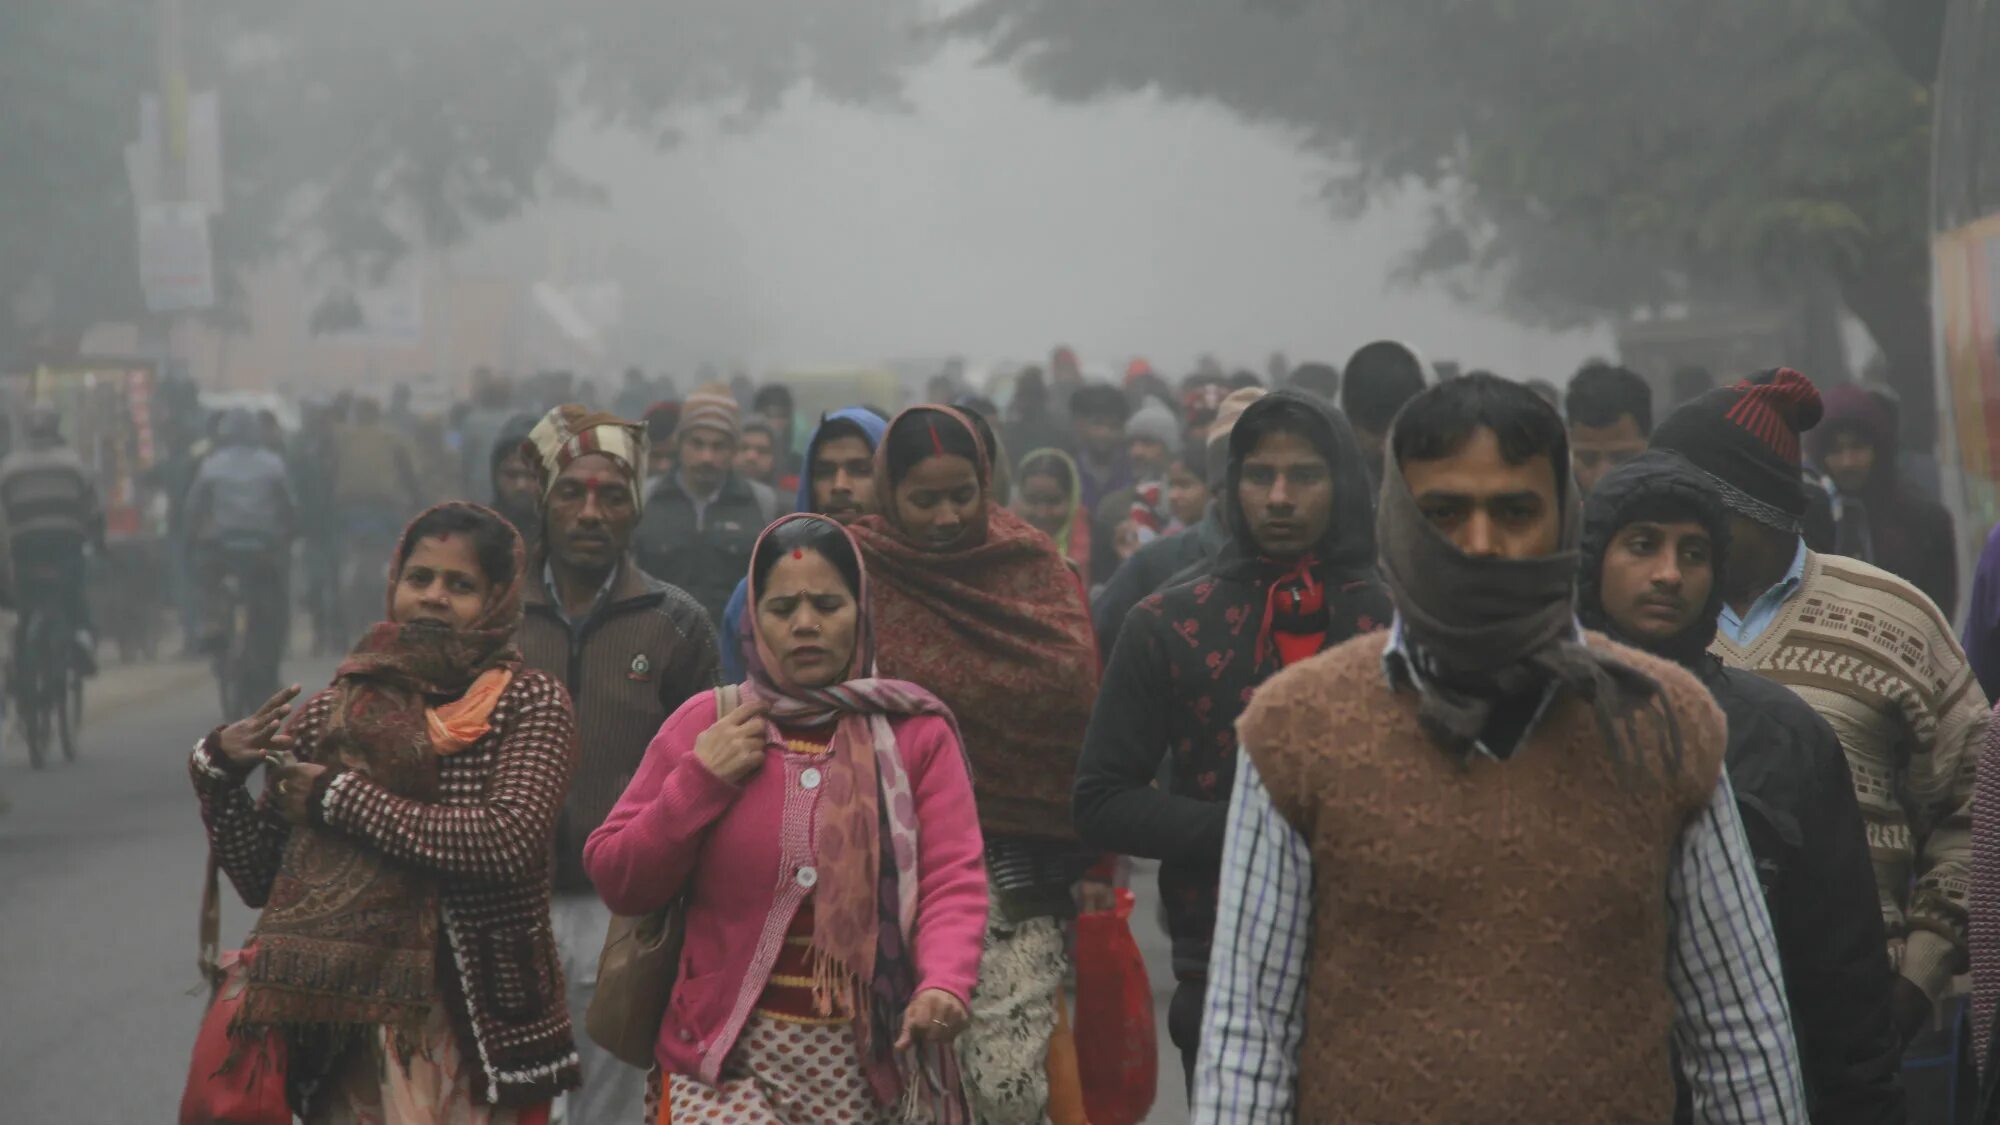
[{"x": 1484, "y": 630}]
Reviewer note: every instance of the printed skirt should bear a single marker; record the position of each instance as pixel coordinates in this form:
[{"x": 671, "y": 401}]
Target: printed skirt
[{"x": 779, "y": 1073}]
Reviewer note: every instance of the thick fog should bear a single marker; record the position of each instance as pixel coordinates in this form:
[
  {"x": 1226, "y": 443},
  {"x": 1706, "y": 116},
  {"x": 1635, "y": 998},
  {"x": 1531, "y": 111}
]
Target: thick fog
[{"x": 987, "y": 222}]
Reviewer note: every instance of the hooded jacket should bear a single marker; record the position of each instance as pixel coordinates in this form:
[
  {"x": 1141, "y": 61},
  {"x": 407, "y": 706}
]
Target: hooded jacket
[
  {"x": 872, "y": 426},
  {"x": 1799, "y": 811},
  {"x": 1188, "y": 660},
  {"x": 1887, "y": 524}
]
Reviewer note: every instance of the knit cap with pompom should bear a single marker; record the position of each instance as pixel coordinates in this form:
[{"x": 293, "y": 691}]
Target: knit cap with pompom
[{"x": 1746, "y": 438}]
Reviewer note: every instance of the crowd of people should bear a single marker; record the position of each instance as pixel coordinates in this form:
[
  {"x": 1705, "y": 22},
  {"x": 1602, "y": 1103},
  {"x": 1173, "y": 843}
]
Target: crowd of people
[{"x": 1506, "y": 755}]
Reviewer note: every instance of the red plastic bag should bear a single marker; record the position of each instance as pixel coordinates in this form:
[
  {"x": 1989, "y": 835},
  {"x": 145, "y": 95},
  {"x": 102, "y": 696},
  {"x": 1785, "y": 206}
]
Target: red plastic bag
[
  {"x": 1116, "y": 1044},
  {"x": 234, "y": 1081}
]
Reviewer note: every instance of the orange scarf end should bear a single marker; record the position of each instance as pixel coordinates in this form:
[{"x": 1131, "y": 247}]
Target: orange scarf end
[{"x": 465, "y": 720}]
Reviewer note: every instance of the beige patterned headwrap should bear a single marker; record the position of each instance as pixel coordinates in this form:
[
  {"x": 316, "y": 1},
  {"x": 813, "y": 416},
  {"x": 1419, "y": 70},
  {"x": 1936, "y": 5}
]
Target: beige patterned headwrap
[{"x": 570, "y": 431}]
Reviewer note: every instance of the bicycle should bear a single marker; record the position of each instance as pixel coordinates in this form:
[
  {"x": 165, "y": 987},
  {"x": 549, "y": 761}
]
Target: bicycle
[
  {"x": 48, "y": 685},
  {"x": 242, "y": 671}
]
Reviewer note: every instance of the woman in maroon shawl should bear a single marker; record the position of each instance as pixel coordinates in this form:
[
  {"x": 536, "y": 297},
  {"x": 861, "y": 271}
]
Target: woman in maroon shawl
[{"x": 980, "y": 608}]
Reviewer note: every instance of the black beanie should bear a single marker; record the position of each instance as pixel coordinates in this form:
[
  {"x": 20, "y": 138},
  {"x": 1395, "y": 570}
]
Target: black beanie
[{"x": 1746, "y": 438}]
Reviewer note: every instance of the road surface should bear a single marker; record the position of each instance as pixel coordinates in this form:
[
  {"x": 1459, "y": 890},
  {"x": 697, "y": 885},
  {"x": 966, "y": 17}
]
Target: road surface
[{"x": 100, "y": 881}]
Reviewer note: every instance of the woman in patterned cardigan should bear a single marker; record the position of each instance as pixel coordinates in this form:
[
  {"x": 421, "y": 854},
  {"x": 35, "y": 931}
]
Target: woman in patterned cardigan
[{"x": 400, "y": 850}]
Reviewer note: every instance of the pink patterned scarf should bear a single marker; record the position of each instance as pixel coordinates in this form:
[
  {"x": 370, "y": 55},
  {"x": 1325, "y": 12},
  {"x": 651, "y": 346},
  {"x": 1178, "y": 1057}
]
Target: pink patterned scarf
[{"x": 865, "y": 904}]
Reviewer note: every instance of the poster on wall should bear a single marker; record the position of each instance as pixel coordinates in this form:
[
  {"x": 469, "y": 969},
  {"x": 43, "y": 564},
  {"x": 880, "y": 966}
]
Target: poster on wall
[{"x": 1967, "y": 264}]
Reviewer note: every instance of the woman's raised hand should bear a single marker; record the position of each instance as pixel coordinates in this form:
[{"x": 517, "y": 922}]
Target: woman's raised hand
[
  {"x": 245, "y": 741},
  {"x": 934, "y": 1016},
  {"x": 733, "y": 748}
]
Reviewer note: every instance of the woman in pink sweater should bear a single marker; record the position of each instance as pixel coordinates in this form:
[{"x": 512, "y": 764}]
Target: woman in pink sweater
[{"x": 824, "y": 836}]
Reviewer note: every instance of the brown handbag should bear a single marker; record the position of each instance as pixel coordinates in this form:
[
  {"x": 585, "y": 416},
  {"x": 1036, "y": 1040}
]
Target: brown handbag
[{"x": 636, "y": 970}]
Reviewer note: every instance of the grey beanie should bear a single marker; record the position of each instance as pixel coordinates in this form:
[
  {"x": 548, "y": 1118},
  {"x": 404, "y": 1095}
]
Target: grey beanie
[{"x": 1154, "y": 422}]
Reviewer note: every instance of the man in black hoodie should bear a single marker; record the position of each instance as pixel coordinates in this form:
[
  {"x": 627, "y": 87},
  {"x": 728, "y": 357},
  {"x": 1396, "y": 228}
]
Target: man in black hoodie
[
  {"x": 1655, "y": 542},
  {"x": 1295, "y": 576}
]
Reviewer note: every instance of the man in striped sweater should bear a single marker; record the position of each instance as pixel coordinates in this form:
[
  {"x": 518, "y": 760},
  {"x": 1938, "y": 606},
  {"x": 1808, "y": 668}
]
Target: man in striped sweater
[{"x": 1868, "y": 651}]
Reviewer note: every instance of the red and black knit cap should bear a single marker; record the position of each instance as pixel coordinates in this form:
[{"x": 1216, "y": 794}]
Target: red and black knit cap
[{"x": 1746, "y": 438}]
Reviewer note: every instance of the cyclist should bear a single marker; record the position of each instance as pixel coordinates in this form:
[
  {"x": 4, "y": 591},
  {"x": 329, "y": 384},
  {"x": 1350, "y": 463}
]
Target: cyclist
[
  {"x": 49, "y": 499},
  {"x": 240, "y": 520}
]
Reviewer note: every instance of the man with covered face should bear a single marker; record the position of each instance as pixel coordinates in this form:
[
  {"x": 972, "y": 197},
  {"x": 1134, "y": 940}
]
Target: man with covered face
[
  {"x": 1655, "y": 550},
  {"x": 1486, "y": 865}
]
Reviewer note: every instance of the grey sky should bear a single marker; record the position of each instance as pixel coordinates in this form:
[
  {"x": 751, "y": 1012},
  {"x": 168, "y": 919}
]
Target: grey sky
[{"x": 990, "y": 223}]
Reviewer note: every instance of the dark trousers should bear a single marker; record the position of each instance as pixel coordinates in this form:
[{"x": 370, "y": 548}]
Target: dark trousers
[{"x": 1184, "y": 1026}]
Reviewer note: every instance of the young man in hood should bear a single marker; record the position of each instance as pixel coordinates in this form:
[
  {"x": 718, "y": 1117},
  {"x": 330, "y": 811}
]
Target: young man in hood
[
  {"x": 1863, "y": 648},
  {"x": 1295, "y": 576},
  {"x": 1655, "y": 548},
  {"x": 1486, "y": 866},
  {"x": 839, "y": 481}
]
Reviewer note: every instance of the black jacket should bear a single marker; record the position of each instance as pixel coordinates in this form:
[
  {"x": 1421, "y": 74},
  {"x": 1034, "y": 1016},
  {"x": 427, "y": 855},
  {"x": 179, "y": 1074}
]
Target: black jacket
[
  {"x": 1153, "y": 567},
  {"x": 705, "y": 556},
  {"x": 1186, "y": 664},
  {"x": 1797, "y": 801}
]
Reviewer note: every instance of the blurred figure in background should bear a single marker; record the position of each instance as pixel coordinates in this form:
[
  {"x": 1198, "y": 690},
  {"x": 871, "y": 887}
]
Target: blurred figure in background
[
  {"x": 240, "y": 520},
  {"x": 1097, "y": 422},
  {"x": 774, "y": 404},
  {"x": 1610, "y": 412},
  {"x": 662, "y": 419},
  {"x": 375, "y": 488},
  {"x": 1320, "y": 379},
  {"x": 49, "y": 505},
  {"x": 319, "y": 528},
  {"x": 757, "y": 454},
  {"x": 1048, "y": 496},
  {"x": 1877, "y": 518},
  {"x": 1030, "y": 421},
  {"x": 634, "y": 395},
  {"x": 516, "y": 482},
  {"x": 701, "y": 523},
  {"x": 1379, "y": 379}
]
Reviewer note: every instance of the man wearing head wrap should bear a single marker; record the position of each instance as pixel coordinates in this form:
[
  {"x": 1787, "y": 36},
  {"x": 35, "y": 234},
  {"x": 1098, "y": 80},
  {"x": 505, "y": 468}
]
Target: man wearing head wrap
[
  {"x": 1157, "y": 563},
  {"x": 838, "y": 481},
  {"x": 1655, "y": 547},
  {"x": 1296, "y": 575},
  {"x": 1442, "y": 891},
  {"x": 702, "y": 522},
  {"x": 1868, "y": 651},
  {"x": 631, "y": 649}
]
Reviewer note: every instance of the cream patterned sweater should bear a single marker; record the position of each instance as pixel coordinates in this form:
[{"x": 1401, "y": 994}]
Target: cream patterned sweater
[{"x": 1879, "y": 662}]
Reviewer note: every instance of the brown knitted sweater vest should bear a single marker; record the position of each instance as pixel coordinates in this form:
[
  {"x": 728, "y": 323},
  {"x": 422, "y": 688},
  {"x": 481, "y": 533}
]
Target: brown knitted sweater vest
[{"x": 1489, "y": 943}]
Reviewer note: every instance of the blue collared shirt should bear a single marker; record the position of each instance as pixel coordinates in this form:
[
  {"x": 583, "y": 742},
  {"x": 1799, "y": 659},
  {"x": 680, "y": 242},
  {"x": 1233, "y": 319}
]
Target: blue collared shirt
[{"x": 1747, "y": 628}]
